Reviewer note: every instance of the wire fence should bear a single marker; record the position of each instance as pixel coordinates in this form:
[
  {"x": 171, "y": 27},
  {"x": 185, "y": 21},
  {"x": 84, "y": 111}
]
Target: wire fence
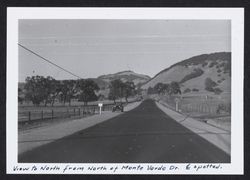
[
  {"x": 200, "y": 105},
  {"x": 59, "y": 112},
  {"x": 32, "y": 114}
]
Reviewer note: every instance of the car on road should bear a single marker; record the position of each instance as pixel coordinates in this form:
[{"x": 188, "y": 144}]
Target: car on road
[{"x": 118, "y": 107}]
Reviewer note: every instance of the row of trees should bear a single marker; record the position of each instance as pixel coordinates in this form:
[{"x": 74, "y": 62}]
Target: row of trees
[
  {"x": 165, "y": 89},
  {"x": 39, "y": 89},
  {"x": 119, "y": 89}
]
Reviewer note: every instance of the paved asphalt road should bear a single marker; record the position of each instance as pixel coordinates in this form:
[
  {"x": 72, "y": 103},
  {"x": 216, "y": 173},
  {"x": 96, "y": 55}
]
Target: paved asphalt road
[{"x": 144, "y": 135}]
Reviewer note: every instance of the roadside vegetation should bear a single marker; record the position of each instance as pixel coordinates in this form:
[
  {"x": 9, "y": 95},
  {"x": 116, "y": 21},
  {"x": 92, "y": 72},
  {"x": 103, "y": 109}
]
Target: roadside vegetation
[
  {"x": 45, "y": 98},
  {"x": 47, "y": 91}
]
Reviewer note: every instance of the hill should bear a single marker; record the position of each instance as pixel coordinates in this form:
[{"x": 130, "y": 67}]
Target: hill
[
  {"x": 125, "y": 76},
  {"x": 104, "y": 80},
  {"x": 192, "y": 73}
]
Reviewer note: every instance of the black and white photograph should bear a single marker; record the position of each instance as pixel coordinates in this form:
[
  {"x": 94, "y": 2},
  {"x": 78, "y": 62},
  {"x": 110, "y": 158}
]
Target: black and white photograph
[{"x": 96, "y": 90}]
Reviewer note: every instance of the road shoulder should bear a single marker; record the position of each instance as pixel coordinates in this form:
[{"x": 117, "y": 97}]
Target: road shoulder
[{"x": 219, "y": 137}]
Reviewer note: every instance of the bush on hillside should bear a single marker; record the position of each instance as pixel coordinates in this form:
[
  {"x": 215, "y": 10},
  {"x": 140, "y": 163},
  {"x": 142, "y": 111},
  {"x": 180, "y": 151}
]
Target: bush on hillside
[
  {"x": 196, "y": 73},
  {"x": 219, "y": 71},
  {"x": 204, "y": 64},
  {"x": 195, "y": 90},
  {"x": 210, "y": 84},
  {"x": 187, "y": 90},
  {"x": 212, "y": 64},
  {"x": 217, "y": 91},
  {"x": 223, "y": 108}
]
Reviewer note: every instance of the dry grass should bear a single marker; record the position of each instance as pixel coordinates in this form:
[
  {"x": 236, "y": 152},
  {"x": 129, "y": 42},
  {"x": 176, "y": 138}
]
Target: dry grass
[{"x": 200, "y": 105}]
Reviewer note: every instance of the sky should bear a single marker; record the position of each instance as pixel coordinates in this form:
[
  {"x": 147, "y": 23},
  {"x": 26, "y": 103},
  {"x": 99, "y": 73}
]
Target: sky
[{"x": 90, "y": 48}]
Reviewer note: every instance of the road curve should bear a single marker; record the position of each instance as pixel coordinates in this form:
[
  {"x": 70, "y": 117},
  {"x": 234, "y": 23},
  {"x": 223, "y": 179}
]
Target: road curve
[{"x": 142, "y": 135}]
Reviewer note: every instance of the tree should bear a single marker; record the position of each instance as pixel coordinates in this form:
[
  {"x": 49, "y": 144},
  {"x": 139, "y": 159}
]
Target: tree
[
  {"x": 166, "y": 89},
  {"x": 64, "y": 91},
  {"x": 49, "y": 85},
  {"x": 138, "y": 90},
  {"x": 112, "y": 96},
  {"x": 101, "y": 97},
  {"x": 56, "y": 90},
  {"x": 116, "y": 90},
  {"x": 128, "y": 89},
  {"x": 20, "y": 99},
  {"x": 174, "y": 88},
  {"x": 40, "y": 89},
  {"x": 68, "y": 90},
  {"x": 87, "y": 90},
  {"x": 35, "y": 91},
  {"x": 161, "y": 88}
]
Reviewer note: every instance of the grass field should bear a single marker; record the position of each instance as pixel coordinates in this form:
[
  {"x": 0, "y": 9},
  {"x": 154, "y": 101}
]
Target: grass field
[
  {"x": 206, "y": 108},
  {"x": 28, "y": 112},
  {"x": 200, "y": 104}
]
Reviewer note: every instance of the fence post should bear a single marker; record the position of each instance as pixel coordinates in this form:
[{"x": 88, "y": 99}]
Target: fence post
[
  {"x": 42, "y": 114},
  {"x": 29, "y": 116},
  {"x": 74, "y": 111},
  {"x": 79, "y": 111}
]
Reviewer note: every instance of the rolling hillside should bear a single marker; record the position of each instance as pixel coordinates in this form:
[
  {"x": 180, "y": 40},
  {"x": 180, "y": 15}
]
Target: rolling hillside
[
  {"x": 125, "y": 76},
  {"x": 104, "y": 80},
  {"x": 191, "y": 73}
]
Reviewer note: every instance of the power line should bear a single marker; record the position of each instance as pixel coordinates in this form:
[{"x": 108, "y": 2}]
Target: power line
[{"x": 27, "y": 49}]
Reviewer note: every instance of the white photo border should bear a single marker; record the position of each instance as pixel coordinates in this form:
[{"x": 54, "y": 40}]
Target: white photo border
[{"x": 236, "y": 15}]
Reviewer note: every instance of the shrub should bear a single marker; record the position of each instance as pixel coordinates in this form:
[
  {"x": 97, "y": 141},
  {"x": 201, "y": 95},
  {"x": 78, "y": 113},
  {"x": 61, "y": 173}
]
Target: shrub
[
  {"x": 217, "y": 91},
  {"x": 204, "y": 64},
  {"x": 196, "y": 73},
  {"x": 187, "y": 90},
  {"x": 222, "y": 64},
  {"x": 221, "y": 80},
  {"x": 219, "y": 71},
  {"x": 195, "y": 90},
  {"x": 210, "y": 84},
  {"x": 223, "y": 108},
  {"x": 212, "y": 64}
]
